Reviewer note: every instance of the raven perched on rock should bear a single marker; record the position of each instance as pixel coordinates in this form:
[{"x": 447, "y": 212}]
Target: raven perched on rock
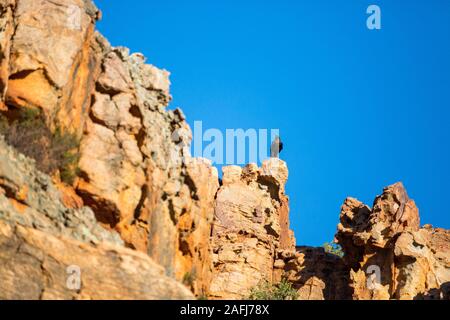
[{"x": 276, "y": 147}]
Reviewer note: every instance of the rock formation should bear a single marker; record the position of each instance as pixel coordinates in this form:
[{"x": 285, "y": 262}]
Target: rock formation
[
  {"x": 389, "y": 255},
  {"x": 36, "y": 265},
  {"x": 40, "y": 239},
  {"x": 135, "y": 170},
  {"x": 314, "y": 273},
  {"x": 251, "y": 224},
  {"x": 386, "y": 255},
  {"x": 146, "y": 213}
]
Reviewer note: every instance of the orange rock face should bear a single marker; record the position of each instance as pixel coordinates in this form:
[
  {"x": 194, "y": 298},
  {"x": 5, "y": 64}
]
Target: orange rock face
[
  {"x": 388, "y": 254},
  {"x": 141, "y": 202},
  {"x": 39, "y": 270},
  {"x": 250, "y": 225},
  {"x": 314, "y": 273},
  {"x": 69, "y": 197},
  {"x": 6, "y": 32},
  {"x": 49, "y": 62},
  {"x": 135, "y": 171}
]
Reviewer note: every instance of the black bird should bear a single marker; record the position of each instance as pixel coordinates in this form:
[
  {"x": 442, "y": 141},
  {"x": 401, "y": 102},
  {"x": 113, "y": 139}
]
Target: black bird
[{"x": 276, "y": 147}]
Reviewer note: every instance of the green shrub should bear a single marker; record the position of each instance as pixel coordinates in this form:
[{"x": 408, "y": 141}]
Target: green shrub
[
  {"x": 65, "y": 151},
  {"x": 333, "y": 248},
  {"x": 280, "y": 291},
  {"x": 3, "y": 124},
  {"x": 53, "y": 151},
  {"x": 188, "y": 279}
]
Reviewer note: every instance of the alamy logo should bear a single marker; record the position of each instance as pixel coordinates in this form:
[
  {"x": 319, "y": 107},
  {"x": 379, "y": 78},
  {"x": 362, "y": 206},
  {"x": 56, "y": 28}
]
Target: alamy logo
[
  {"x": 235, "y": 146},
  {"x": 374, "y": 20},
  {"x": 74, "y": 278},
  {"x": 373, "y": 277},
  {"x": 227, "y": 147}
]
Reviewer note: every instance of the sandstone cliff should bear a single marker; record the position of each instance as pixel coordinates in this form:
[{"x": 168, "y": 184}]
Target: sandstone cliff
[
  {"x": 386, "y": 255},
  {"x": 131, "y": 175},
  {"x": 40, "y": 239},
  {"x": 389, "y": 255},
  {"x": 143, "y": 211},
  {"x": 251, "y": 224}
]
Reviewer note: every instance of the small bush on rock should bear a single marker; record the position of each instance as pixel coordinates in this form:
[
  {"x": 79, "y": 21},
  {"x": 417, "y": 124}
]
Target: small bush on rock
[
  {"x": 333, "y": 248},
  {"x": 280, "y": 291},
  {"x": 53, "y": 151},
  {"x": 188, "y": 279}
]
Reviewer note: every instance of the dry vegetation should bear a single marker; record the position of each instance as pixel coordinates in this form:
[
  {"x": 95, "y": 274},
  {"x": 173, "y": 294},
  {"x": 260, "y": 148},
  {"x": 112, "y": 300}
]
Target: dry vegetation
[{"x": 53, "y": 151}]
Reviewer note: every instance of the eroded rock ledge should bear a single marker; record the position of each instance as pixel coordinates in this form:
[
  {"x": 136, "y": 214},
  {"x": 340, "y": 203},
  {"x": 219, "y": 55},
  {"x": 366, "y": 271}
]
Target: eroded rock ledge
[
  {"x": 150, "y": 216},
  {"x": 40, "y": 238},
  {"x": 251, "y": 224},
  {"x": 413, "y": 262}
]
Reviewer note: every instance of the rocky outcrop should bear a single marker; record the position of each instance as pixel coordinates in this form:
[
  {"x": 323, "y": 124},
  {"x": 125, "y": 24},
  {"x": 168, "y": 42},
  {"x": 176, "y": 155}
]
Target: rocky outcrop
[
  {"x": 386, "y": 255},
  {"x": 30, "y": 198},
  {"x": 41, "y": 239},
  {"x": 37, "y": 265},
  {"x": 136, "y": 173},
  {"x": 47, "y": 57},
  {"x": 314, "y": 273},
  {"x": 389, "y": 255},
  {"x": 141, "y": 203},
  {"x": 249, "y": 227}
]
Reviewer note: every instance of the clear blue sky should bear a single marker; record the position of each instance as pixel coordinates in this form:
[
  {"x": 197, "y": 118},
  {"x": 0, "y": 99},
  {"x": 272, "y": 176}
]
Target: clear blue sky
[{"x": 357, "y": 109}]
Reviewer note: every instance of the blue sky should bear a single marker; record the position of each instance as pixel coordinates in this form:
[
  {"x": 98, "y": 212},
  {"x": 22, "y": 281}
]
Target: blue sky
[{"x": 357, "y": 109}]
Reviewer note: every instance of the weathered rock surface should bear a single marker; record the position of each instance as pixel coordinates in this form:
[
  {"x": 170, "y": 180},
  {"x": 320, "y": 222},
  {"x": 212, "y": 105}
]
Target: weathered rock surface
[
  {"x": 248, "y": 227},
  {"x": 48, "y": 61},
  {"x": 29, "y": 198},
  {"x": 36, "y": 265},
  {"x": 141, "y": 202},
  {"x": 136, "y": 172},
  {"x": 40, "y": 238},
  {"x": 389, "y": 255},
  {"x": 314, "y": 273}
]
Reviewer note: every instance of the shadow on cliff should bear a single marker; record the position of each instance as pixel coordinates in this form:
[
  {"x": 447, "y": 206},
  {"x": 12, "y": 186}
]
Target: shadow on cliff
[
  {"x": 323, "y": 276},
  {"x": 442, "y": 293}
]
